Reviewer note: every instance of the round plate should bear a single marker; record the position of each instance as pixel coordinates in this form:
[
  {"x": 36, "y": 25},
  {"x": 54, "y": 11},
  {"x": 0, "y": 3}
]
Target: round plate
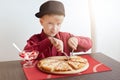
[{"x": 73, "y": 71}]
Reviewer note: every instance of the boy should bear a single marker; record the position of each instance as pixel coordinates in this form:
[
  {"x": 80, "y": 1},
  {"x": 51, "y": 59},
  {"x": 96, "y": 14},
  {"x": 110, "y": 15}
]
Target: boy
[{"x": 52, "y": 42}]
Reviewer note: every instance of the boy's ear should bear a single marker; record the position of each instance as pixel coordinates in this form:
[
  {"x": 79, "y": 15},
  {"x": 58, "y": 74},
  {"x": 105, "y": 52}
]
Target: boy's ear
[{"x": 41, "y": 21}]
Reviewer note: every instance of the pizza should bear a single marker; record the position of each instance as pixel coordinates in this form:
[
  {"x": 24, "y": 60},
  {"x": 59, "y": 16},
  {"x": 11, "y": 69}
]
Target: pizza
[{"x": 61, "y": 65}]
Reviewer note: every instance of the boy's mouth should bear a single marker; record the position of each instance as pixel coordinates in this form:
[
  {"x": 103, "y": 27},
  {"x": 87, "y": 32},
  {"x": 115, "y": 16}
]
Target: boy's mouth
[{"x": 53, "y": 32}]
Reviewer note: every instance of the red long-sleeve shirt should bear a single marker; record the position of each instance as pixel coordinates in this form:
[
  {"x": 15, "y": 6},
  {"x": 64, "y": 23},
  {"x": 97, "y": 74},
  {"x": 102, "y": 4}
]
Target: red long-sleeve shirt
[{"x": 41, "y": 43}]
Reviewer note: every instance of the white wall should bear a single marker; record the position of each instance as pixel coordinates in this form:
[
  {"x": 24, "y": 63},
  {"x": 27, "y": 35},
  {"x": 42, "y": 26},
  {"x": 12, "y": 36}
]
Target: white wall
[
  {"x": 107, "y": 18},
  {"x": 18, "y": 23}
]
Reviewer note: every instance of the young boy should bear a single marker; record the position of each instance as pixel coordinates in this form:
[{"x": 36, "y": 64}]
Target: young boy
[{"x": 52, "y": 42}]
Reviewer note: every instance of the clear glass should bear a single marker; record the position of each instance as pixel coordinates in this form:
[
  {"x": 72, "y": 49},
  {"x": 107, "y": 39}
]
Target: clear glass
[{"x": 29, "y": 58}]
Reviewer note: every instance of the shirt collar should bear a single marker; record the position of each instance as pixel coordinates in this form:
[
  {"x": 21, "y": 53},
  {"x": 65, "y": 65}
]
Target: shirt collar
[{"x": 43, "y": 35}]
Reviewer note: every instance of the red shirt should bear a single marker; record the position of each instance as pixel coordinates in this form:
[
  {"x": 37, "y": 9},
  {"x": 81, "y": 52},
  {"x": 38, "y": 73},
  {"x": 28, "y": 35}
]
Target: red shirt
[{"x": 41, "y": 43}]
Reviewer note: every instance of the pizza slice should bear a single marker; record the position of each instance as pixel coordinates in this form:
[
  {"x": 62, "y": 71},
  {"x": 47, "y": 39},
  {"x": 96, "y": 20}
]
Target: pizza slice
[
  {"x": 63, "y": 66},
  {"x": 76, "y": 65},
  {"x": 48, "y": 65},
  {"x": 78, "y": 59}
]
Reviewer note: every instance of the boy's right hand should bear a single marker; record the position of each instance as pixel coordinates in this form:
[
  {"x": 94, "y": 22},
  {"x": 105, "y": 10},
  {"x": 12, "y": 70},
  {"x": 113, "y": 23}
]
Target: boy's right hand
[{"x": 57, "y": 43}]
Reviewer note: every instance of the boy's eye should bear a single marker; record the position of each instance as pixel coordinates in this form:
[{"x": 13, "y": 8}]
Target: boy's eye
[
  {"x": 59, "y": 24},
  {"x": 50, "y": 23}
]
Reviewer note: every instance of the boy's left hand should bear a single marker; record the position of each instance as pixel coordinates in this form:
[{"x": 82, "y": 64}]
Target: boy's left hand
[{"x": 73, "y": 42}]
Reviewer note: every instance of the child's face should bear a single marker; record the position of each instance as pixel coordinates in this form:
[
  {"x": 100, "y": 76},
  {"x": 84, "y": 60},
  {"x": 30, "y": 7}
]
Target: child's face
[{"x": 51, "y": 24}]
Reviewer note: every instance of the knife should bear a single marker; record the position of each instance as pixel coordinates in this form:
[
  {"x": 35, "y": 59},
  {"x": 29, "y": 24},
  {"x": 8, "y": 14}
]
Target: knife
[
  {"x": 63, "y": 51},
  {"x": 66, "y": 55}
]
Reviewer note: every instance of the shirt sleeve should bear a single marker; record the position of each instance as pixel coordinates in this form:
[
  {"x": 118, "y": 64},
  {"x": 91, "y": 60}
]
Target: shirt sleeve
[
  {"x": 84, "y": 43},
  {"x": 33, "y": 44}
]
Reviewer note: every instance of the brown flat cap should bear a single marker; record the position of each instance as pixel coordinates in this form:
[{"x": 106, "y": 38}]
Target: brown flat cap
[{"x": 51, "y": 7}]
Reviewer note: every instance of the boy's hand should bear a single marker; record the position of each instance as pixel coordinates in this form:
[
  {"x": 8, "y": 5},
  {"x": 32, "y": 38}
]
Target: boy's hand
[
  {"x": 73, "y": 42},
  {"x": 57, "y": 43}
]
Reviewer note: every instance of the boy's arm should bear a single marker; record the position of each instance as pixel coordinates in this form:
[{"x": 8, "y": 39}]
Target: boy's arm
[
  {"x": 84, "y": 43},
  {"x": 35, "y": 45}
]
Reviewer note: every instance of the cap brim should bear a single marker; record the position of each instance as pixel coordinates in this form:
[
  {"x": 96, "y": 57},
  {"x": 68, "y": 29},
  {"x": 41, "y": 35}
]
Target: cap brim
[{"x": 38, "y": 15}]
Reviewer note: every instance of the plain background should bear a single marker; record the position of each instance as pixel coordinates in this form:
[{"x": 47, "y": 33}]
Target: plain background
[{"x": 18, "y": 23}]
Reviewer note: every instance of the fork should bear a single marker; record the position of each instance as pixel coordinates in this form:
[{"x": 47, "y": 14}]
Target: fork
[{"x": 72, "y": 52}]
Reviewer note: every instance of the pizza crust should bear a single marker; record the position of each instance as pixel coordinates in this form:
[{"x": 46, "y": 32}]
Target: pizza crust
[{"x": 60, "y": 65}]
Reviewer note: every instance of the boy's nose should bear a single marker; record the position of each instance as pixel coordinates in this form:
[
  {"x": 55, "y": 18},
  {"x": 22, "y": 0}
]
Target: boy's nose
[{"x": 54, "y": 27}]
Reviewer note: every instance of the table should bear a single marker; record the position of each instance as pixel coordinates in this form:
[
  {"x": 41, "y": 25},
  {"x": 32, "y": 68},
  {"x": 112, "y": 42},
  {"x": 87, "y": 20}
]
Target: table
[{"x": 12, "y": 70}]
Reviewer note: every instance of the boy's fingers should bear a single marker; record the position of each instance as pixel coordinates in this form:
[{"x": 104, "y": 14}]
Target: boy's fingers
[{"x": 73, "y": 44}]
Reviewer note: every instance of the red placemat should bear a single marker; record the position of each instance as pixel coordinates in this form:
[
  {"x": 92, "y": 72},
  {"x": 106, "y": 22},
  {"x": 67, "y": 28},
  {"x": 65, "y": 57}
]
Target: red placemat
[{"x": 94, "y": 66}]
